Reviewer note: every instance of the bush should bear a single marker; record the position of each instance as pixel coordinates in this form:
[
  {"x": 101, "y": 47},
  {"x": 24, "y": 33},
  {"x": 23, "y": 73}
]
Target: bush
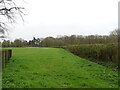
[{"x": 101, "y": 52}]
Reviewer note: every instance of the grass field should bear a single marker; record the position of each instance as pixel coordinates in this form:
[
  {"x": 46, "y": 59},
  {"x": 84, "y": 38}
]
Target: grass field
[{"x": 55, "y": 68}]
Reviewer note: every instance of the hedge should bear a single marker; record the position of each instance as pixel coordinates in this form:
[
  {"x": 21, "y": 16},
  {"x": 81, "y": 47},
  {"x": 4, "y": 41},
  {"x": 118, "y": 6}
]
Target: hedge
[{"x": 101, "y": 52}]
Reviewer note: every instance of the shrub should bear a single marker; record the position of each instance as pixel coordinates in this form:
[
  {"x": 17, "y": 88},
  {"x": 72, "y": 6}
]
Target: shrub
[{"x": 101, "y": 52}]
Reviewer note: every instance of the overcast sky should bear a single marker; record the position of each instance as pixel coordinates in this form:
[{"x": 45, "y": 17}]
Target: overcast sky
[{"x": 66, "y": 17}]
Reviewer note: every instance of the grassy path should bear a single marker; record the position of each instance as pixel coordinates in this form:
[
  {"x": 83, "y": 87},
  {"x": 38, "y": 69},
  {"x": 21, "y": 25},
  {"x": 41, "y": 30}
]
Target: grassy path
[{"x": 54, "y": 68}]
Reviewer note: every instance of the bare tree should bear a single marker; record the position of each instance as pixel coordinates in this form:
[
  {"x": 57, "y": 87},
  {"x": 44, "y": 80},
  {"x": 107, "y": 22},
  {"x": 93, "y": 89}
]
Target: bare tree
[
  {"x": 114, "y": 32},
  {"x": 8, "y": 12}
]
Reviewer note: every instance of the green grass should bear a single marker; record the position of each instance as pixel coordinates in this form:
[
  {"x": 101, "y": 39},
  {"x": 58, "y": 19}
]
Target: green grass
[{"x": 55, "y": 68}]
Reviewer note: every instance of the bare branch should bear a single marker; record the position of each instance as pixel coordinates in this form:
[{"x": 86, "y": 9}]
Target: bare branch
[{"x": 9, "y": 10}]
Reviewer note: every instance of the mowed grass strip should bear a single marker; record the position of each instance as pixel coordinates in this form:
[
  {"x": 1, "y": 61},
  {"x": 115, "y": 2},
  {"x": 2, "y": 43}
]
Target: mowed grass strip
[{"x": 55, "y": 68}]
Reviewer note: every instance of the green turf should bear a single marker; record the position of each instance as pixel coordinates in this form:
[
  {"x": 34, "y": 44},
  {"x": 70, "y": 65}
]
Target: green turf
[{"x": 55, "y": 68}]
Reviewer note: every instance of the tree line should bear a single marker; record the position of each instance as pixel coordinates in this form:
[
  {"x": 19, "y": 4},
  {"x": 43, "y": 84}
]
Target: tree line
[{"x": 63, "y": 40}]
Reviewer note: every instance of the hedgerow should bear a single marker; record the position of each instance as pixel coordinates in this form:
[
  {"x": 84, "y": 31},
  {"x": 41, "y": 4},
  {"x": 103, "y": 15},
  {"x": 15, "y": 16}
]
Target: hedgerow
[{"x": 100, "y": 52}]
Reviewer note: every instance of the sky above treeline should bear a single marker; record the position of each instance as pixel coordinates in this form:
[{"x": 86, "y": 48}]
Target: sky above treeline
[{"x": 65, "y": 17}]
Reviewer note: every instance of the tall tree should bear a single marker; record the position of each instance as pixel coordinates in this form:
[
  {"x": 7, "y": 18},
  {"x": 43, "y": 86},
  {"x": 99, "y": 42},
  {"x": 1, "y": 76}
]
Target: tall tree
[
  {"x": 114, "y": 35},
  {"x": 18, "y": 43}
]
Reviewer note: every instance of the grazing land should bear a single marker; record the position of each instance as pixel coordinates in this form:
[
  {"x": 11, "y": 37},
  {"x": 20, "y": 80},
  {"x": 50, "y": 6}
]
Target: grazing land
[{"x": 55, "y": 68}]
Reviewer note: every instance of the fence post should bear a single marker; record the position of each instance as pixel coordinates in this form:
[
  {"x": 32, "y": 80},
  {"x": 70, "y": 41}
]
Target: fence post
[
  {"x": 6, "y": 55},
  {"x": 3, "y": 58}
]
